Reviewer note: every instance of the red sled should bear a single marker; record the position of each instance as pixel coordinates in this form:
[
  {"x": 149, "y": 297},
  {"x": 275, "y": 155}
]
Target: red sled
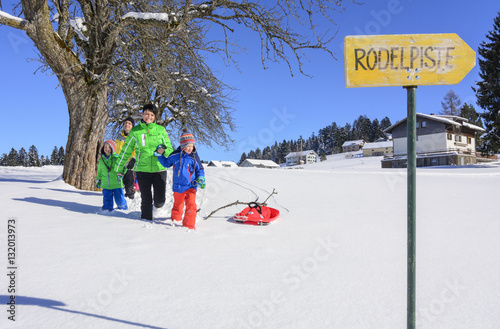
[{"x": 255, "y": 214}]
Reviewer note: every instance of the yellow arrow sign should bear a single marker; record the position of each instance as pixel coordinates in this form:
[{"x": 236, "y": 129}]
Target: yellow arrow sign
[{"x": 406, "y": 60}]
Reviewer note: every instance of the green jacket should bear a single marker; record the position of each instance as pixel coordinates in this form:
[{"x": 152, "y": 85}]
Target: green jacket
[
  {"x": 108, "y": 178},
  {"x": 144, "y": 139}
]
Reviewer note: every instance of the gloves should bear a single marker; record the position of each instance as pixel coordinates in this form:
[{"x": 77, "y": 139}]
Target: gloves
[
  {"x": 201, "y": 182},
  {"x": 130, "y": 164},
  {"x": 157, "y": 154},
  {"x": 98, "y": 183}
]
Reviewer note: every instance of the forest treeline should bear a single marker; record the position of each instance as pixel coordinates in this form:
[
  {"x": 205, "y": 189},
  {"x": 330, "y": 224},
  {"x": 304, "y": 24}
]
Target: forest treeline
[
  {"x": 32, "y": 158},
  {"x": 328, "y": 140}
]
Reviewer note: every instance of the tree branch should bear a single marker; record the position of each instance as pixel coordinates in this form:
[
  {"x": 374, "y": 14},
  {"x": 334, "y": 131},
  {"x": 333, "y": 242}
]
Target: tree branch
[{"x": 13, "y": 21}]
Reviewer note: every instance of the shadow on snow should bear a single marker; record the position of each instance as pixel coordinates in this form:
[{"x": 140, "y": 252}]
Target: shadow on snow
[{"x": 57, "y": 305}]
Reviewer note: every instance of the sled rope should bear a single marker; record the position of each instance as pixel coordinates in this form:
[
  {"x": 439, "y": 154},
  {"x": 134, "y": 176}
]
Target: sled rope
[{"x": 237, "y": 202}]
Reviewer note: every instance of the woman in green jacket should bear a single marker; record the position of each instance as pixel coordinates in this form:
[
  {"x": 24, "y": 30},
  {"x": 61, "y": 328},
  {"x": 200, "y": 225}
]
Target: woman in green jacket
[{"x": 144, "y": 139}]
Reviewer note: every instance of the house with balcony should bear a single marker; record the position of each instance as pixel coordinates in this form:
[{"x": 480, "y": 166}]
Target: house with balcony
[
  {"x": 352, "y": 146},
  {"x": 440, "y": 140},
  {"x": 378, "y": 148},
  {"x": 302, "y": 157}
]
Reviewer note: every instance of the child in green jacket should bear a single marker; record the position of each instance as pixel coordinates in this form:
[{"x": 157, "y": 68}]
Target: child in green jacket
[{"x": 107, "y": 178}]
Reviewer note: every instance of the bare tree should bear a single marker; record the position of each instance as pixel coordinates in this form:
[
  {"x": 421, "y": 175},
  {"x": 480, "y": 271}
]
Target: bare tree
[
  {"x": 171, "y": 71},
  {"x": 78, "y": 41},
  {"x": 451, "y": 104}
]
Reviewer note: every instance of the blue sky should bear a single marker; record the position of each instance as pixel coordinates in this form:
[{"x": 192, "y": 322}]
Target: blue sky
[{"x": 270, "y": 104}]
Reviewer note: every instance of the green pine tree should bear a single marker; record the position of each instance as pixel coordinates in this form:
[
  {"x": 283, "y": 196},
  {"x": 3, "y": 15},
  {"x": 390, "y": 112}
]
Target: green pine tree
[
  {"x": 23, "y": 157},
  {"x": 33, "y": 159},
  {"x": 488, "y": 89},
  {"x": 12, "y": 158},
  {"x": 54, "y": 158},
  {"x": 469, "y": 112}
]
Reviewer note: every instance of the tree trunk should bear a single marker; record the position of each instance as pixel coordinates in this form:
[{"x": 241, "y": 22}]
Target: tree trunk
[
  {"x": 88, "y": 117},
  {"x": 86, "y": 97}
]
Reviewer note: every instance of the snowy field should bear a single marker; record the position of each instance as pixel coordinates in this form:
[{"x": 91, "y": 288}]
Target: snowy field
[{"x": 336, "y": 257}]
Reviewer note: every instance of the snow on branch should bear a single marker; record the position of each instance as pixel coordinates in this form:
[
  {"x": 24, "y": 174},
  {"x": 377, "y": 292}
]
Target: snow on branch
[
  {"x": 12, "y": 21},
  {"x": 149, "y": 16},
  {"x": 78, "y": 25}
]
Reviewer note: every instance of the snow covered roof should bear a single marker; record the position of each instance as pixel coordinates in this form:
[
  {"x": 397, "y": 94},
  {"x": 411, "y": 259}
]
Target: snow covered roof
[
  {"x": 300, "y": 154},
  {"x": 263, "y": 163},
  {"x": 223, "y": 164},
  {"x": 376, "y": 145},
  {"x": 351, "y": 143},
  {"x": 474, "y": 127},
  {"x": 449, "y": 119}
]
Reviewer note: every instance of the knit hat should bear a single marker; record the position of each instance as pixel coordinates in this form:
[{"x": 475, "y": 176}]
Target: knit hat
[
  {"x": 131, "y": 120},
  {"x": 111, "y": 144},
  {"x": 186, "y": 138}
]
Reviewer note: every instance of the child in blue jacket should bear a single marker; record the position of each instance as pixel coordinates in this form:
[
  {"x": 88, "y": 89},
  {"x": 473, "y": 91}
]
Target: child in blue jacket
[{"x": 188, "y": 173}]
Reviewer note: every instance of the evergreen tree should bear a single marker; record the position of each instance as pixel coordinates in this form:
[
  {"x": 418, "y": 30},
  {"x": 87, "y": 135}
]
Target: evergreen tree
[
  {"x": 266, "y": 153},
  {"x": 342, "y": 137},
  {"x": 258, "y": 153},
  {"x": 375, "y": 132},
  {"x": 33, "y": 159},
  {"x": 451, "y": 104},
  {"x": 274, "y": 152},
  {"x": 488, "y": 89},
  {"x": 284, "y": 150},
  {"x": 322, "y": 156},
  {"x": 43, "y": 161},
  {"x": 385, "y": 123},
  {"x": 12, "y": 158},
  {"x": 332, "y": 142},
  {"x": 313, "y": 143},
  {"x": 243, "y": 158},
  {"x": 60, "y": 156},
  {"x": 54, "y": 157},
  {"x": 23, "y": 157},
  {"x": 3, "y": 159},
  {"x": 470, "y": 114},
  {"x": 348, "y": 133}
]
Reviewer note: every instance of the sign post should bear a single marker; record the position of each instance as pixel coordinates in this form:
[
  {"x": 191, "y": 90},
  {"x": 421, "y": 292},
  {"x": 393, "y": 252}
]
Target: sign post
[
  {"x": 411, "y": 203},
  {"x": 407, "y": 60}
]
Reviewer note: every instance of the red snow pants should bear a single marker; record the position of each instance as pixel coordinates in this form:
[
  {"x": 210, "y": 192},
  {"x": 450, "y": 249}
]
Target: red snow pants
[{"x": 188, "y": 198}]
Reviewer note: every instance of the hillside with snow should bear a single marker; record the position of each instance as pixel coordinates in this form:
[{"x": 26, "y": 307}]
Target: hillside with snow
[{"x": 335, "y": 258}]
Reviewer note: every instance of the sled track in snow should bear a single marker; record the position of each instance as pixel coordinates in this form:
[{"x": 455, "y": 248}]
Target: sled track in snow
[{"x": 231, "y": 181}]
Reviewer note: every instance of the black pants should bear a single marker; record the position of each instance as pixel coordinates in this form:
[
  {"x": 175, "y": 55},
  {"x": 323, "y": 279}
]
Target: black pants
[
  {"x": 128, "y": 183},
  {"x": 158, "y": 180},
  {"x": 129, "y": 179}
]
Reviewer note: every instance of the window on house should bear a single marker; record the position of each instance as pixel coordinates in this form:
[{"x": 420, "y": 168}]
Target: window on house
[
  {"x": 424, "y": 124},
  {"x": 469, "y": 140},
  {"x": 458, "y": 138},
  {"x": 449, "y": 136}
]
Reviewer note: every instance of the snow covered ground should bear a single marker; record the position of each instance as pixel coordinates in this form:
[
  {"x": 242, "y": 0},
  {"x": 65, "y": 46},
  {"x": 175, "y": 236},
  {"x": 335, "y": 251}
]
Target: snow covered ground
[{"x": 336, "y": 257}]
